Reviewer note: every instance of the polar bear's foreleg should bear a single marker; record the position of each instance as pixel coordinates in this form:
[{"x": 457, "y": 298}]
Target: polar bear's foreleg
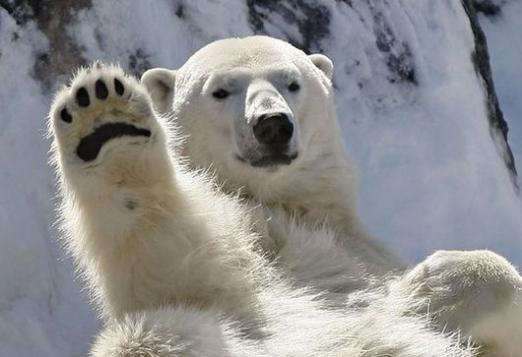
[
  {"x": 138, "y": 223},
  {"x": 477, "y": 293}
]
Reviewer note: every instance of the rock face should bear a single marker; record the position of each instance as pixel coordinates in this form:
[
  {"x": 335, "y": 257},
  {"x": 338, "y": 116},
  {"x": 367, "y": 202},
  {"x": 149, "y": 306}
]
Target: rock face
[
  {"x": 312, "y": 22},
  {"x": 480, "y": 57},
  {"x": 415, "y": 97},
  {"x": 52, "y": 19},
  {"x": 305, "y": 24},
  {"x": 487, "y": 7},
  {"x": 310, "y": 19}
]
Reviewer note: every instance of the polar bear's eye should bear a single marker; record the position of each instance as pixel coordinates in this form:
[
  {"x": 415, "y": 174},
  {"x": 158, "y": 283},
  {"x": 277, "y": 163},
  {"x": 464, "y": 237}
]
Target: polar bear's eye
[
  {"x": 294, "y": 87},
  {"x": 220, "y": 93}
]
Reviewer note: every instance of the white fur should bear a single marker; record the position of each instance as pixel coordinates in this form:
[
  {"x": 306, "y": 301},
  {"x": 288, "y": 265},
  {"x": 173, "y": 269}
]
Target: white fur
[
  {"x": 306, "y": 211},
  {"x": 174, "y": 265},
  {"x": 477, "y": 292}
]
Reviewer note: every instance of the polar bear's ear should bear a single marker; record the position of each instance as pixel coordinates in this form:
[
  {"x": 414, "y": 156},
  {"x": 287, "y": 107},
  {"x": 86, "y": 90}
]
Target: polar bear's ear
[
  {"x": 323, "y": 63},
  {"x": 160, "y": 85}
]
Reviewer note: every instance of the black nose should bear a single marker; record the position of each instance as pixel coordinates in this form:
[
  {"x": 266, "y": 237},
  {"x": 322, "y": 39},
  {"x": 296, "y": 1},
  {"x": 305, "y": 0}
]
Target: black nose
[{"x": 274, "y": 129}]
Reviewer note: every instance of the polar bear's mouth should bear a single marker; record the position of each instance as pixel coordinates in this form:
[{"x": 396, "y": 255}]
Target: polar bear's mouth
[
  {"x": 271, "y": 160},
  {"x": 90, "y": 146}
]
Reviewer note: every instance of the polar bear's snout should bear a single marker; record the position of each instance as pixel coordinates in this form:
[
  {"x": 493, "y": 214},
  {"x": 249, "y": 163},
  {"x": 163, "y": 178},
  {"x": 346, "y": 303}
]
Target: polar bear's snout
[
  {"x": 267, "y": 135},
  {"x": 274, "y": 130},
  {"x": 274, "y": 133}
]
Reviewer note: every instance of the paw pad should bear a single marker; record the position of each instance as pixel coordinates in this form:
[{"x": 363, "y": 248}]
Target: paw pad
[
  {"x": 100, "y": 105},
  {"x": 82, "y": 97},
  {"x": 101, "y": 90},
  {"x": 118, "y": 86},
  {"x": 65, "y": 116}
]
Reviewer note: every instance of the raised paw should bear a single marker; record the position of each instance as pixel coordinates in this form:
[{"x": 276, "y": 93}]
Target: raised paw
[{"x": 102, "y": 104}]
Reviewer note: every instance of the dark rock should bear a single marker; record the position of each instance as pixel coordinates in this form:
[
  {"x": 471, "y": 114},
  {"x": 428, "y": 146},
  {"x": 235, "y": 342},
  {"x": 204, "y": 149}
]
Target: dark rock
[
  {"x": 139, "y": 62},
  {"x": 18, "y": 10},
  {"x": 480, "y": 57},
  {"x": 52, "y": 18},
  {"x": 399, "y": 59},
  {"x": 180, "y": 11},
  {"x": 488, "y": 7},
  {"x": 313, "y": 24}
]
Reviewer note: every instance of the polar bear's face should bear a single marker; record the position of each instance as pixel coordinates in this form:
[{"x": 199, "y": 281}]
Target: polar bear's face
[
  {"x": 247, "y": 106},
  {"x": 258, "y": 109}
]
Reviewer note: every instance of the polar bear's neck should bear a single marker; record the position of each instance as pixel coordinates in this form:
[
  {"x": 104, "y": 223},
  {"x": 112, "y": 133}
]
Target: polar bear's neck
[
  {"x": 321, "y": 187},
  {"x": 321, "y": 191}
]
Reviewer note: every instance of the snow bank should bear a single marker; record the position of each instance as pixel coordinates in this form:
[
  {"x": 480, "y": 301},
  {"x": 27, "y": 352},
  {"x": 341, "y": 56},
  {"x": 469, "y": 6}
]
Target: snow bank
[{"x": 42, "y": 311}]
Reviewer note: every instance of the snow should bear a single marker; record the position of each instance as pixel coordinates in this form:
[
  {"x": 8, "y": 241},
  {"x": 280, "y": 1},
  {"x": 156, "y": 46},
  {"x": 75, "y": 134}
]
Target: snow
[
  {"x": 40, "y": 303},
  {"x": 431, "y": 176}
]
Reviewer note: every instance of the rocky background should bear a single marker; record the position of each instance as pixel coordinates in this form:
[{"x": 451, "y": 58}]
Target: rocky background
[{"x": 426, "y": 91}]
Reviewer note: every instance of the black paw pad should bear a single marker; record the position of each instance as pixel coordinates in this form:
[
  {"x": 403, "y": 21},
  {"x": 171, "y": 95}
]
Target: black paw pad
[
  {"x": 101, "y": 89},
  {"x": 66, "y": 117},
  {"x": 82, "y": 97},
  {"x": 118, "y": 86}
]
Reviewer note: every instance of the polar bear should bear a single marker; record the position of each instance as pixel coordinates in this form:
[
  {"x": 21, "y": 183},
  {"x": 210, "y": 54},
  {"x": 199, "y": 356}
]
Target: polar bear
[
  {"x": 174, "y": 264},
  {"x": 260, "y": 114},
  {"x": 218, "y": 99}
]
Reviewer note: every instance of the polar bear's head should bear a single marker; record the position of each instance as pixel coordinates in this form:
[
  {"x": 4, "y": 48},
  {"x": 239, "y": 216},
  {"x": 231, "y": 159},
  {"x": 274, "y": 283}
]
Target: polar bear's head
[{"x": 254, "y": 109}]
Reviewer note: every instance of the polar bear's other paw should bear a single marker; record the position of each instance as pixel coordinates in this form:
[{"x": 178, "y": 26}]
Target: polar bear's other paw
[
  {"x": 102, "y": 107},
  {"x": 464, "y": 286},
  {"x": 469, "y": 292}
]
